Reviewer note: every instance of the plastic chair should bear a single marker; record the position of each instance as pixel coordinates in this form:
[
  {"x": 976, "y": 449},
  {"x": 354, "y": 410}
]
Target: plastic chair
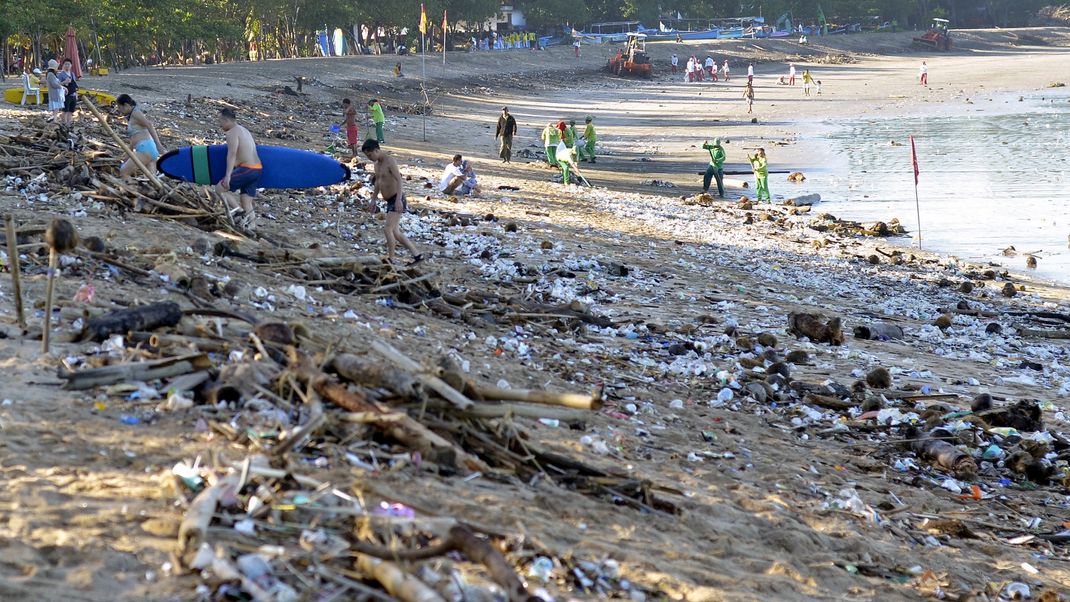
[{"x": 28, "y": 90}]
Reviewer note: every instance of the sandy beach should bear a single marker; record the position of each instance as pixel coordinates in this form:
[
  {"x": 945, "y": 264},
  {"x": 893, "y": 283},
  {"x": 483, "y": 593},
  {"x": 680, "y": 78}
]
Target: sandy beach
[{"x": 773, "y": 496}]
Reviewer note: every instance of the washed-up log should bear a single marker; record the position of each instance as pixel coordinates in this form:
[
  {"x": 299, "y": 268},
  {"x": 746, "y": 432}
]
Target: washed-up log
[
  {"x": 434, "y": 383},
  {"x": 195, "y": 524},
  {"x": 142, "y": 371},
  {"x": 1044, "y": 334},
  {"x": 831, "y": 403},
  {"x": 944, "y": 455},
  {"x": 368, "y": 373},
  {"x": 395, "y": 581},
  {"x": 146, "y": 317},
  {"x": 592, "y": 401}
]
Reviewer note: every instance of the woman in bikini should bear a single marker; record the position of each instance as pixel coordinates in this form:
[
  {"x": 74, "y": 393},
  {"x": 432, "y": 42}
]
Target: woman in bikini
[{"x": 144, "y": 140}]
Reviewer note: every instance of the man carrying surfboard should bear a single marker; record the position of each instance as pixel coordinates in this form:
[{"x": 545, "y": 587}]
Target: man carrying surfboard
[
  {"x": 243, "y": 170},
  {"x": 350, "y": 117},
  {"x": 388, "y": 185}
]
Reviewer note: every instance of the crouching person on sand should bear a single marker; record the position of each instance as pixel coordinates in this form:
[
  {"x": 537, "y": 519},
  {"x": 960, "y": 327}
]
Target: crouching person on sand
[
  {"x": 459, "y": 178},
  {"x": 388, "y": 185},
  {"x": 567, "y": 161}
]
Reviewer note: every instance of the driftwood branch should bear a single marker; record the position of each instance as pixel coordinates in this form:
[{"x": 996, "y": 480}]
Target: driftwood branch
[
  {"x": 142, "y": 371},
  {"x": 431, "y": 382},
  {"x": 463, "y": 540}
]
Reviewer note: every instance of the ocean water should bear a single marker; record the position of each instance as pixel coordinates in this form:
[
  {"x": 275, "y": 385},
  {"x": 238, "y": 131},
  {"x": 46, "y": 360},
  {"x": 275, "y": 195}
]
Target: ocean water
[{"x": 994, "y": 174}]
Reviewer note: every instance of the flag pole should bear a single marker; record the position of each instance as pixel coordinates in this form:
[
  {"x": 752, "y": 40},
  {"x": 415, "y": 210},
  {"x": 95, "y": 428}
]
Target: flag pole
[
  {"x": 423, "y": 84},
  {"x": 443, "y": 39},
  {"x": 917, "y": 199}
]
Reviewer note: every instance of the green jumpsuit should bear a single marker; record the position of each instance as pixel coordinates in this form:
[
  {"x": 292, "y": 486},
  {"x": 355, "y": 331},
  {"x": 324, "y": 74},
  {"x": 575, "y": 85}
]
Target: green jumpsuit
[
  {"x": 588, "y": 149},
  {"x": 715, "y": 171},
  {"x": 761, "y": 176},
  {"x": 379, "y": 119},
  {"x": 550, "y": 137}
]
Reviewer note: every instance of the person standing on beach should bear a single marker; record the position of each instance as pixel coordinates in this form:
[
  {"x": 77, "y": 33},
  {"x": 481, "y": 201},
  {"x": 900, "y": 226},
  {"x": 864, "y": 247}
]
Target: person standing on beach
[
  {"x": 727, "y": 71},
  {"x": 568, "y": 135},
  {"x": 56, "y": 91},
  {"x": 566, "y": 160},
  {"x": 715, "y": 170},
  {"x": 550, "y": 137},
  {"x": 144, "y": 141},
  {"x": 576, "y": 47},
  {"x": 243, "y": 171},
  {"x": 388, "y": 185},
  {"x": 589, "y": 138},
  {"x": 923, "y": 73},
  {"x": 748, "y": 95},
  {"x": 750, "y": 73},
  {"x": 349, "y": 116},
  {"x": 808, "y": 80},
  {"x": 711, "y": 66},
  {"x": 674, "y": 61},
  {"x": 760, "y": 164},
  {"x": 376, "y": 111},
  {"x": 70, "y": 99},
  {"x": 506, "y": 131},
  {"x": 791, "y": 74}
]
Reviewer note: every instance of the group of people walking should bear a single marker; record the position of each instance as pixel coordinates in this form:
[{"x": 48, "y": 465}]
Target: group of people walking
[
  {"x": 565, "y": 147},
  {"x": 697, "y": 70}
]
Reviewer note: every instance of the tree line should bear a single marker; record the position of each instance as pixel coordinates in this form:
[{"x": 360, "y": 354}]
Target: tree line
[{"x": 121, "y": 33}]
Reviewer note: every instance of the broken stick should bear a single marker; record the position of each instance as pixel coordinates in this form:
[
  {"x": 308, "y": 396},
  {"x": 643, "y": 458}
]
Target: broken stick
[
  {"x": 141, "y": 371},
  {"x": 577, "y": 401},
  {"x": 195, "y": 524},
  {"x": 13, "y": 265}
]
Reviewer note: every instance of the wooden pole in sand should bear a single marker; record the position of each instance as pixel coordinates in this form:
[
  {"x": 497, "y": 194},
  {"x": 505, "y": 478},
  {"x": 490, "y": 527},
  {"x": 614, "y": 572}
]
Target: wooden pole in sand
[
  {"x": 61, "y": 238},
  {"x": 126, "y": 149},
  {"x": 13, "y": 264},
  {"x": 917, "y": 172}
]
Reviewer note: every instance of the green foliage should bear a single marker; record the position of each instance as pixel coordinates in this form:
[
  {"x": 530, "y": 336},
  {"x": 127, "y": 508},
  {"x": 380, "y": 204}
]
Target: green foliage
[{"x": 182, "y": 29}]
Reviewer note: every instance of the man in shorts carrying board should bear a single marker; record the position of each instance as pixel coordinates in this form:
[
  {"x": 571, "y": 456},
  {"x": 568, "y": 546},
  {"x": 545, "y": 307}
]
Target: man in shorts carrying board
[
  {"x": 388, "y": 185},
  {"x": 244, "y": 171}
]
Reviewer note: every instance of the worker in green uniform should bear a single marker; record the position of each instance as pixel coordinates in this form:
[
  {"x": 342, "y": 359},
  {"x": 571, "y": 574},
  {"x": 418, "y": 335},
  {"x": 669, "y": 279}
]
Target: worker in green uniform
[
  {"x": 589, "y": 136},
  {"x": 569, "y": 135},
  {"x": 760, "y": 164},
  {"x": 378, "y": 118},
  {"x": 550, "y": 137},
  {"x": 715, "y": 170}
]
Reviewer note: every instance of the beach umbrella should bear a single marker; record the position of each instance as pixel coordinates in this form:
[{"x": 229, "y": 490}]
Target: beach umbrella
[{"x": 72, "y": 53}]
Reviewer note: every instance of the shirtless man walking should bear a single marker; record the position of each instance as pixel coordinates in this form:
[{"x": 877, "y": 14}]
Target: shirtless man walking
[
  {"x": 243, "y": 171},
  {"x": 388, "y": 184}
]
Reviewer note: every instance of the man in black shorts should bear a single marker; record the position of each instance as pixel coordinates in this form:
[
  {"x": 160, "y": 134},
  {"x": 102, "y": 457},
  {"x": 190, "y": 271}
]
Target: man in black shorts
[{"x": 388, "y": 184}]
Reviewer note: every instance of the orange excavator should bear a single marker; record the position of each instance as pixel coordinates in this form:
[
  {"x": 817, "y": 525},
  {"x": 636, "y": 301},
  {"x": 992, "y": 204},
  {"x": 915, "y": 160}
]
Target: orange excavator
[
  {"x": 937, "y": 38},
  {"x": 632, "y": 59}
]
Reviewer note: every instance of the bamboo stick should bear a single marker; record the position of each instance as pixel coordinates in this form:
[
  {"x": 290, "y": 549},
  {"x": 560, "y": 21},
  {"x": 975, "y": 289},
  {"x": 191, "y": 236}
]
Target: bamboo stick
[
  {"x": 126, "y": 149},
  {"x": 577, "y": 401},
  {"x": 13, "y": 265}
]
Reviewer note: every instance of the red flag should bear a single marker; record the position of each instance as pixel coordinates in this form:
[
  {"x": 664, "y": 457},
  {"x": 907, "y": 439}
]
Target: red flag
[{"x": 914, "y": 157}]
